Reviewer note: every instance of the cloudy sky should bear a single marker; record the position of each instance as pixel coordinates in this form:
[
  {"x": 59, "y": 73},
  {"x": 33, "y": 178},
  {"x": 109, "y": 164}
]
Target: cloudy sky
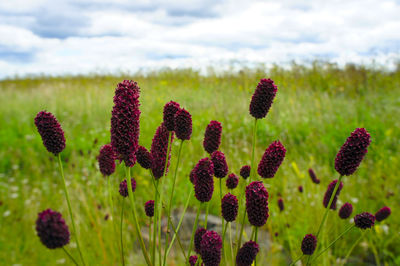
[{"x": 81, "y": 36}]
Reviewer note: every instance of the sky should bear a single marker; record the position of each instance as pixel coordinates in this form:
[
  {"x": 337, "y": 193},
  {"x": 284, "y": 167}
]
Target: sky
[{"x": 99, "y": 36}]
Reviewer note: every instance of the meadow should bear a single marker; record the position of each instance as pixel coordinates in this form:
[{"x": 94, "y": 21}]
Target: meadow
[{"x": 315, "y": 110}]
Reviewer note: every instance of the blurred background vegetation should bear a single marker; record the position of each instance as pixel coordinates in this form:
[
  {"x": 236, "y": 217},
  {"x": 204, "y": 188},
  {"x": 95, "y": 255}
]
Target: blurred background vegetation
[{"x": 316, "y": 108}]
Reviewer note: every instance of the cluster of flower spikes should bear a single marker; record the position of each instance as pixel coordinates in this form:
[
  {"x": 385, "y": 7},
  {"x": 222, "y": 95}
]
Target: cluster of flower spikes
[
  {"x": 309, "y": 244},
  {"x": 220, "y": 164},
  {"x": 257, "y": 203},
  {"x": 212, "y": 137},
  {"x": 229, "y": 207},
  {"x": 197, "y": 238},
  {"x": 345, "y": 211},
  {"x": 123, "y": 187},
  {"x": 247, "y": 254},
  {"x": 364, "y": 220},
  {"x": 51, "y": 132},
  {"x": 329, "y": 192},
  {"x": 262, "y": 98},
  {"x": 271, "y": 160},
  {"x": 232, "y": 181},
  {"x": 169, "y": 112},
  {"x": 51, "y": 229},
  {"x": 203, "y": 180},
  {"x": 144, "y": 157},
  {"x": 245, "y": 171},
  {"x": 159, "y": 151},
  {"x": 313, "y": 176},
  {"x": 106, "y": 160},
  {"x": 183, "y": 124},
  {"x": 125, "y": 121},
  {"x": 149, "y": 208},
  {"x": 210, "y": 248}
]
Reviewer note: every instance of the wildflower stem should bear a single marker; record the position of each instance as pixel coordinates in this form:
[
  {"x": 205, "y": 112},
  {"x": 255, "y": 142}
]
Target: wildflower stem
[
  {"x": 194, "y": 230},
  {"x": 255, "y": 240},
  {"x": 153, "y": 255},
  {"x": 136, "y": 222},
  {"x": 294, "y": 262},
  {"x": 70, "y": 256},
  {"x": 353, "y": 246},
  {"x": 223, "y": 238},
  {"x": 230, "y": 241},
  {"x": 111, "y": 204},
  {"x": 205, "y": 219},
  {"x": 69, "y": 208},
  {"x": 220, "y": 195},
  {"x": 122, "y": 241}
]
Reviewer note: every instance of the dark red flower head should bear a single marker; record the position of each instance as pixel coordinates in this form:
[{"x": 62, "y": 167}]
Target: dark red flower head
[
  {"x": 125, "y": 121},
  {"x": 158, "y": 151},
  {"x": 346, "y": 210},
  {"x": 51, "y": 229},
  {"x": 169, "y": 112},
  {"x": 229, "y": 207},
  {"x": 50, "y": 131},
  {"x": 144, "y": 157},
  {"x": 203, "y": 180},
  {"x": 123, "y": 188},
  {"x": 183, "y": 124},
  {"x": 191, "y": 175},
  {"x": 210, "y": 248},
  {"x": 382, "y": 214},
  {"x": 245, "y": 171},
  {"x": 247, "y": 254},
  {"x": 280, "y": 204},
  {"x": 232, "y": 181},
  {"x": 352, "y": 152},
  {"x": 300, "y": 188},
  {"x": 149, "y": 208},
  {"x": 309, "y": 244},
  {"x": 364, "y": 220},
  {"x": 220, "y": 165},
  {"x": 197, "y": 238},
  {"x": 106, "y": 160},
  {"x": 263, "y": 98},
  {"x": 329, "y": 192},
  {"x": 313, "y": 176},
  {"x": 271, "y": 160},
  {"x": 257, "y": 203},
  {"x": 192, "y": 260},
  {"x": 212, "y": 136}
]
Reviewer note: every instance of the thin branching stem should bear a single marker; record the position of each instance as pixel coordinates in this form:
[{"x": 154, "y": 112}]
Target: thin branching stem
[
  {"x": 120, "y": 231},
  {"x": 70, "y": 256}
]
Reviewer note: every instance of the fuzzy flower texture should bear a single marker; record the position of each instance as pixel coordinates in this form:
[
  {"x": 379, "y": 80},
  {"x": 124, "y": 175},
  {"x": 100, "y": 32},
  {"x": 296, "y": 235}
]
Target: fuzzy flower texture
[
  {"x": 313, "y": 176},
  {"x": 271, "y": 160},
  {"x": 203, "y": 180},
  {"x": 229, "y": 207},
  {"x": 158, "y": 151},
  {"x": 212, "y": 137},
  {"x": 123, "y": 187},
  {"x": 232, "y": 181},
  {"x": 263, "y": 98},
  {"x": 245, "y": 171},
  {"x": 106, "y": 160},
  {"x": 183, "y": 124},
  {"x": 329, "y": 192},
  {"x": 346, "y": 210},
  {"x": 52, "y": 230},
  {"x": 364, "y": 220},
  {"x": 382, "y": 214},
  {"x": 149, "y": 208},
  {"x": 220, "y": 164},
  {"x": 257, "y": 203},
  {"x": 197, "y": 238},
  {"x": 144, "y": 157},
  {"x": 210, "y": 248},
  {"x": 247, "y": 253},
  {"x": 50, "y": 131},
  {"x": 169, "y": 112},
  {"x": 308, "y": 244}
]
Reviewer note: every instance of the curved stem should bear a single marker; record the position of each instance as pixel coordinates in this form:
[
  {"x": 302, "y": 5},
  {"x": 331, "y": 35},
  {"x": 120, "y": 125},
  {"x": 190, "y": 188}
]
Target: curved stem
[
  {"x": 122, "y": 241},
  {"x": 194, "y": 230},
  {"x": 353, "y": 246},
  {"x": 69, "y": 208},
  {"x": 70, "y": 256},
  {"x": 294, "y": 262},
  {"x": 136, "y": 222}
]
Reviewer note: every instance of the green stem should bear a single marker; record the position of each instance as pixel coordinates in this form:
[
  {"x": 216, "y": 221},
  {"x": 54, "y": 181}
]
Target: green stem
[
  {"x": 255, "y": 240},
  {"x": 111, "y": 203},
  {"x": 153, "y": 255},
  {"x": 294, "y": 262},
  {"x": 70, "y": 209},
  {"x": 206, "y": 218},
  {"x": 230, "y": 241},
  {"x": 70, "y": 256},
  {"x": 122, "y": 241},
  {"x": 194, "y": 230},
  {"x": 220, "y": 195},
  {"x": 333, "y": 242},
  {"x": 150, "y": 245},
  {"x": 353, "y": 246},
  {"x": 223, "y": 238},
  {"x": 136, "y": 222}
]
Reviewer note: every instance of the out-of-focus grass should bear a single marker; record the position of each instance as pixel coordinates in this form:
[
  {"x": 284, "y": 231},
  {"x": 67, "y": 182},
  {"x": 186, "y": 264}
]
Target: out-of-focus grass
[{"x": 315, "y": 110}]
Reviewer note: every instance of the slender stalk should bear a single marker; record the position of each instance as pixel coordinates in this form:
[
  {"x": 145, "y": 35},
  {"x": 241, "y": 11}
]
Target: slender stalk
[
  {"x": 153, "y": 255},
  {"x": 223, "y": 238},
  {"x": 171, "y": 198},
  {"x": 69, "y": 208},
  {"x": 220, "y": 195},
  {"x": 353, "y": 246},
  {"x": 230, "y": 241},
  {"x": 205, "y": 220},
  {"x": 294, "y": 262},
  {"x": 333, "y": 242},
  {"x": 150, "y": 245},
  {"x": 194, "y": 230},
  {"x": 111, "y": 203},
  {"x": 122, "y": 241},
  {"x": 136, "y": 222},
  {"x": 255, "y": 240},
  {"x": 375, "y": 252},
  {"x": 70, "y": 256}
]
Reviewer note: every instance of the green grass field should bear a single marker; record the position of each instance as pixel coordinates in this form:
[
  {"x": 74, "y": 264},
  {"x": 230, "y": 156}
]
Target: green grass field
[{"x": 315, "y": 110}]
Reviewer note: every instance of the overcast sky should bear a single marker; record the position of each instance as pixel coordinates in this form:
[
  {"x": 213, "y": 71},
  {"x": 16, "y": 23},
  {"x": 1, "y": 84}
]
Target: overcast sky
[{"x": 81, "y": 36}]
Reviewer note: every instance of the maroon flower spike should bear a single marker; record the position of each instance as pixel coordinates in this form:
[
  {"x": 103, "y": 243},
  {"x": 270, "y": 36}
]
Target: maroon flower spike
[
  {"x": 192, "y": 260},
  {"x": 51, "y": 229},
  {"x": 183, "y": 124},
  {"x": 309, "y": 244},
  {"x": 220, "y": 165},
  {"x": 247, "y": 254},
  {"x": 300, "y": 188},
  {"x": 271, "y": 160},
  {"x": 382, "y": 214},
  {"x": 169, "y": 112},
  {"x": 263, "y": 98},
  {"x": 364, "y": 220},
  {"x": 203, "y": 180},
  {"x": 210, "y": 248},
  {"x": 197, "y": 238},
  {"x": 345, "y": 211},
  {"x": 144, "y": 157},
  {"x": 191, "y": 175},
  {"x": 232, "y": 181},
  {"x": 245, "y": 171},
  {"x": 125, "y": 121},
  {"x": 158, "y": 151},
  {"x": 123, "y": 188},
  {"x": 212, "y": 137},
  {"x": 329, "y": 192},
  {"x": 229, "y": 207},
  {"x": 106, "y": 160},
  {"x": 257, "y": 203},
  {"x": 313, "y": 176},
  {"x": 149, "y": 208},
  {"x": 50, "y": 131},
  {"x": 280, "y": 204},
  {"x": 352, "y": 152}
]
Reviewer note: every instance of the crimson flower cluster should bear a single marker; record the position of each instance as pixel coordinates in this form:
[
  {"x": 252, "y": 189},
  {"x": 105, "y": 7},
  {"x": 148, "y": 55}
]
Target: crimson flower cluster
[
  {"x": 383, "y": 213},
  {"x": 247, "y": 254},
  {"x": 329, "y": 192},
  {"x": 271, "y": 160},
  {"x": 257, "y": 203},
  {"x": 144, "y": 157},
  {"x": 364, "y": 220},
  {"x": 220, "y": 165},
  {"x": 51, "y": 132},
  {"x": 183, "y": 124},
  {"x": 159, "y": 151},
  {"x": 149, "y": 208},
  {"x": 308, "y": 244},
  {"x": 245, "y": 171},
  {"x": 169, "y": 112},
  {"x": 345, "y": 211},
  {"x": 123, "y": 187},
  {"x": 232, "y": 181},
  {"x": 280, "y": 204},
  {"x": 229, "y": 207},
  {"x": 51, "y": 229},
  {"x": 203, "y": 180},
  {"x": 210, "y": 248},
  {"x": 313, "y": 176},
  {"x": 263, "y": 98},
  {"x": 197, "y": 238},
  {"x": 106, "y": 160},
  {"x": 212, "y": 137},
  {"x": 192, "y": 260}
]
